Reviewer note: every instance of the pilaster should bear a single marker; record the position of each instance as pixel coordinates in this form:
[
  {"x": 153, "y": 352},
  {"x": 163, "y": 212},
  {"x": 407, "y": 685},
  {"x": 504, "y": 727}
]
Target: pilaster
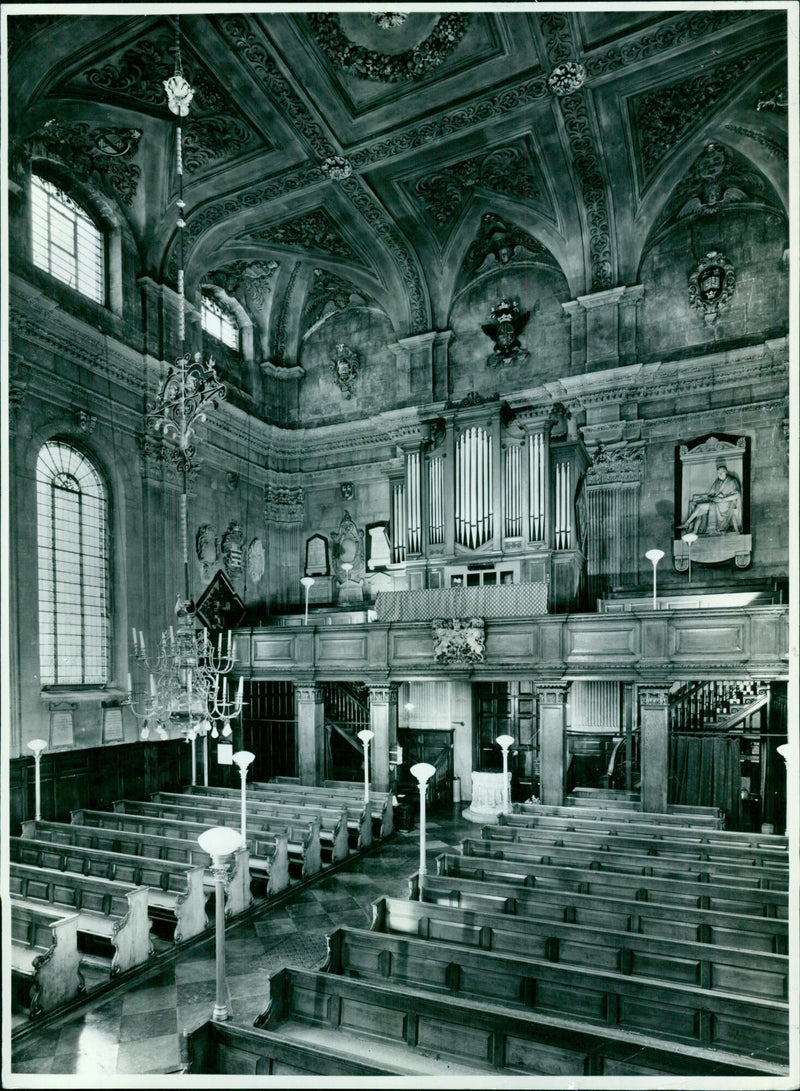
[
  {"x": 310, "y": 713},
  {"x": 552, "y": 742},
  {"x": 654, "y": 712},
  {"x": 383, "y": 724}
]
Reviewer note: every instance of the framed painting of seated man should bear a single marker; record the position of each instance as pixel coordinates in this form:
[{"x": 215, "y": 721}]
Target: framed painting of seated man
[{"x": 712, "y": 501}]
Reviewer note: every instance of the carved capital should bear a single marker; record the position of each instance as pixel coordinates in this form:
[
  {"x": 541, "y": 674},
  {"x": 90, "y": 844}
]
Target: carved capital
[
  {"x": 616, "y": 463},
  {"x": 383, "y": 693},
  {"x": 309, "y": 693},
  {"x": 653, "y": 696},
  {"x": 284, "y": 503},
  {"x": 553, "y": 693}
]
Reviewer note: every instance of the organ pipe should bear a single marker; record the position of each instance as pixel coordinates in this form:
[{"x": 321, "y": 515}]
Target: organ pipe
[
  {"x": 413, "y": 505},
  {"x": 473, "y": 516},
  {"x": 398, "y": 522},
  {"x": 536, "y": 487},
  {"x": 513, "y": 492},
  {"x": 436, "y": 501}
]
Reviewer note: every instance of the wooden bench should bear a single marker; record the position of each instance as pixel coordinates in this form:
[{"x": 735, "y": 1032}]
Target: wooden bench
[
  {"x": 302, "y": 835},
  {"x": 631, "y": 863},
  {"x": 747, "y": 932},
  {"x": 113, "y": 925},
  {"x": 175, "y": 890},
  {"x": 228, "y": 1050},
  {"x": 676, "y": 892},
  {"x": 576, "y": 820},
  {"x": 662, "y": 847},
  {"x": 348, "y": 792},
  {"x": 333, "y": 832},
  {"x": 169, "y": 836},
  {"x": 610, "y": 814},
  {"x": 45, "y": 960},
  {"x": 419, "y": 1032},
  {"x": 677, "y": 1012},
  {"x": 700, "y": 964},
  {"x": 359, "y": 821}
]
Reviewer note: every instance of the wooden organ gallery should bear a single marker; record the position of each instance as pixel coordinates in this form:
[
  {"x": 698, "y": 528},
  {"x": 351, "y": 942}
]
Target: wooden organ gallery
[{"x": 398, "y": 620}]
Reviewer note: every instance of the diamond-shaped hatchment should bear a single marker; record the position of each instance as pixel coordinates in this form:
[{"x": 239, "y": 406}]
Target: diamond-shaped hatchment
[{"x": 219, "y": 607}]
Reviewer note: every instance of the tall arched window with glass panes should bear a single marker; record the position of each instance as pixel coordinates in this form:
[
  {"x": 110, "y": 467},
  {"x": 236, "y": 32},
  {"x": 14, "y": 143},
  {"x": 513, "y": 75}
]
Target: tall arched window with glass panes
[{"x": 73, "y": 555}]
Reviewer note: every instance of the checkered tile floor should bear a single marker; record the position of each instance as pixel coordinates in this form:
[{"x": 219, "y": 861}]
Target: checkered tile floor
[{"x": 137, "y": 1031}]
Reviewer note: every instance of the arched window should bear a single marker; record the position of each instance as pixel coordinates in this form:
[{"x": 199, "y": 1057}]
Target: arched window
[
  {"x": 72, "y": 513},
  {"x": 65, "y": 241},
  {"x": 219, "y": 322}
]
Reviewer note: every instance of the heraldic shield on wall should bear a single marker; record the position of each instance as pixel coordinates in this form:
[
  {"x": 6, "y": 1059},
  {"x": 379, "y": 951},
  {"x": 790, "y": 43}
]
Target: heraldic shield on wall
[
  {"x": 459, "y": 640},
  {"x": 712, "y": 502}
]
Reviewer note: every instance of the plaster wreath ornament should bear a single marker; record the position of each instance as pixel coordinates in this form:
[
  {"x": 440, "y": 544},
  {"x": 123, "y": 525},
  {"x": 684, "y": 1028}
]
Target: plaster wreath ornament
[
  {"x": 567, "y": 78},
  {"x": 345, "y": 369},
  {"x": 388, "y": 20},
  {"x": 711, "y": 285},
  {"x": 337, "y": 168}
]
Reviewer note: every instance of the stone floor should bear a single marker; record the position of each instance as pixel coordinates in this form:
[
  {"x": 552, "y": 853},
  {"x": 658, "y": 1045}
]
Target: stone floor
[{"x": 136, "y": 1029}]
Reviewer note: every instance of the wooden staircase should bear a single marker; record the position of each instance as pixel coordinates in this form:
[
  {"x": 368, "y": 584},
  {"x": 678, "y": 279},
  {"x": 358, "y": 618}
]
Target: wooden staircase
[{"x": 724, "y": 706}]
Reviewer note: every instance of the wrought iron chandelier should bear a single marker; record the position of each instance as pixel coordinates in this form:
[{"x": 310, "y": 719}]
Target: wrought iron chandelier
[{"x": 187, "y": 683}]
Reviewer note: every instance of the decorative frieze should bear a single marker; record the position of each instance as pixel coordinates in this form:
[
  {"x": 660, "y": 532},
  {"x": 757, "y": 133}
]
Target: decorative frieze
[
  {"x": 552, "y": 693},
  {"x": 308, "y": 693},
  {"x": 653, "y": 696},
  {"x": 383, "y": 693}
]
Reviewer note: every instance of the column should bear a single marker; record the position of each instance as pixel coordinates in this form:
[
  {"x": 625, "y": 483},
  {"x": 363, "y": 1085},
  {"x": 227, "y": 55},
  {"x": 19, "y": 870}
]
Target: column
[
  {"x": 284, "y": 506},
  {"x": 654, "y": 710},
  {"x": 383, "y": 724},
  {"x": 310, "y": 713},
  {"x": 552, "y": 742}
]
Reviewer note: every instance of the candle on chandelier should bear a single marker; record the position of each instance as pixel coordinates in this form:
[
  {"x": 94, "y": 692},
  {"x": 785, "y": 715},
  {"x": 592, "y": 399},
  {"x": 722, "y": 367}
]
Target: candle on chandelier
[
  {"x": 171, "y": 636},
  {"x": 135, "y": 641},
  {"x": 240, "y": 694},
  {"x": 152, "y": 686},
  {"x": 130, "y": 683},
  {"x": 219, "y": 644},
  {"x": 141, "y": 643}
]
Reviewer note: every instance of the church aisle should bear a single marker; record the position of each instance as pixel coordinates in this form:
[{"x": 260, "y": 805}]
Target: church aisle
[{"x": 138, "y": 1030}]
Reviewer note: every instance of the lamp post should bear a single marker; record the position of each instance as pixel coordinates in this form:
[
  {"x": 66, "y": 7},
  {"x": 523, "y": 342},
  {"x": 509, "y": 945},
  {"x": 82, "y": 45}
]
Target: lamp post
[
  {"x": 219, "y": 842},
  {"x": 308, "y": 583},
  {"x": 37, "y": 746},
  {"x": 785, "y": 752},
  {"x": 654, "y": 555},
  {"x": 422, "y": 773},
  {"x": 690, "y": 539},
  {"x": 365, "y": 737},
  {"x": 243, "y": 759},
  {"x": 505, "y": 741}
]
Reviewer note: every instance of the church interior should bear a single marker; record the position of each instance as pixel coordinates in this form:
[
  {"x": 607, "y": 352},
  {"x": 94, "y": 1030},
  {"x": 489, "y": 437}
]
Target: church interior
[{"x": 397, "y": 612}]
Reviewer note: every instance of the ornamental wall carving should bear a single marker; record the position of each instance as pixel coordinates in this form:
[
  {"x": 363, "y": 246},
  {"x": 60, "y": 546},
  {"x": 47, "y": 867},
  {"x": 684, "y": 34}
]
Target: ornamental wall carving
[
  {"x": 102, "y": 154},
  {"x": 315, "y": 231}
]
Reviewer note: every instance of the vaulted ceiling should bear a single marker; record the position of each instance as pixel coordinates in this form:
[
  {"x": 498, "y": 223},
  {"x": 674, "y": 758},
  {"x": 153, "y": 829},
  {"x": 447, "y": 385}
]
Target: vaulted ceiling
[{"x": 379, "y": 150}]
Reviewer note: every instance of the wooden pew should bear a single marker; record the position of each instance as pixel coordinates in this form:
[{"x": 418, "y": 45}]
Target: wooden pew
[
  {"x": 175, "y": 890},
  {"x": 676, "y": 892},
  {"x": 45, "y": 960},
  {"x": 349, "y": 792},
  {"x": 661, "y": 847},
  {"x": 635, "y": 806},
  {"x": 359, "y": 821},
  {"x": 302, "y": 835},
  {"x": 747, "y": 932},
  {"x": 419, "y": 1032},
  {"x": 229, "y": 1050},
  {"x": 700, "y": 964},
  {"x": 576, "y": 820},
  {"x": 631, "y": 863},
  {"x": 611, "y": 814},
  {"x": 677, "y": 1012},
  {"x": 173, "y": 838},
  {"x": 113, "y": 925},
  {"x": 333, "y": 821}
]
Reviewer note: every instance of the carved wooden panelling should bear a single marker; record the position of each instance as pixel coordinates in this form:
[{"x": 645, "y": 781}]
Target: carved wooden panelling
[
  {"x": 342, "y": 648},
  {"x": 273, "y": 649},
  {"x": 708, "y": 641},
  {"x": 511, "y": 644}
]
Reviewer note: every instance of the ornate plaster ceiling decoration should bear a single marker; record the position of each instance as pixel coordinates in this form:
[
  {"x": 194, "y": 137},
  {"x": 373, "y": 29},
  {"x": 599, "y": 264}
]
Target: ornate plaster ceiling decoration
[{"x": 405, "y": 157}]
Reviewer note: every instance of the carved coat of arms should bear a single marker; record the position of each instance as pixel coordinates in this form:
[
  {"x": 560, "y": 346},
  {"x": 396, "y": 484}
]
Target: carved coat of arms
[
  {"x": 459, "y": 640},
  {"x": 711, "y": 285}
]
